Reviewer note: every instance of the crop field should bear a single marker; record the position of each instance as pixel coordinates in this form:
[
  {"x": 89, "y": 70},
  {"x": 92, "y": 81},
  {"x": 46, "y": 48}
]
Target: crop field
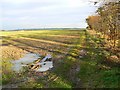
[{"x": 78, "y": 60}]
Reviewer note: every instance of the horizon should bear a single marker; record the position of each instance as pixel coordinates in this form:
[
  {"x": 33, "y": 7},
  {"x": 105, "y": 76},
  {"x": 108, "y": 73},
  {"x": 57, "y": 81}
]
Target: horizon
[{"x": 58, "y": 28}]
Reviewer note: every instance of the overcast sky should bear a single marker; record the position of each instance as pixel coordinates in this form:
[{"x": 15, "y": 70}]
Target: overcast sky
[{"x": 18, "y": 14}]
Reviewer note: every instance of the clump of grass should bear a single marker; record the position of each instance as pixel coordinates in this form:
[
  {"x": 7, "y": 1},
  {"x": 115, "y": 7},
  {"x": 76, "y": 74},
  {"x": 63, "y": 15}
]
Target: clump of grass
[
  {"x": 31, "y": 83},
  {"x": 60, "y": 83}
]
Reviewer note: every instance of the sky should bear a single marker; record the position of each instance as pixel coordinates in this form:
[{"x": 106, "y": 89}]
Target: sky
[{"x": 23, "y": 14}]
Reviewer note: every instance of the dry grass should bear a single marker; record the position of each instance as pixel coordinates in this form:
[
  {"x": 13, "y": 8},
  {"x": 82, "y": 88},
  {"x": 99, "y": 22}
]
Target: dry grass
[{"x": 11, "y": 52}]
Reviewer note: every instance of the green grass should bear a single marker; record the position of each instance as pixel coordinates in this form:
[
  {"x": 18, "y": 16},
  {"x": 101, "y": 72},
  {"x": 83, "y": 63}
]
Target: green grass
[
  {"x": 95, "y": 72},
  {"x": 65, "y": 46}
]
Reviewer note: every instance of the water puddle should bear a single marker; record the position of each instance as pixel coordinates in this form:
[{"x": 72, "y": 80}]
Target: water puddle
[{"x": 45, "y": 63}]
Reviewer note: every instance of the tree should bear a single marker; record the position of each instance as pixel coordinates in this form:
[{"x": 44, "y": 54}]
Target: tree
[{"x": 106, "y": 21}]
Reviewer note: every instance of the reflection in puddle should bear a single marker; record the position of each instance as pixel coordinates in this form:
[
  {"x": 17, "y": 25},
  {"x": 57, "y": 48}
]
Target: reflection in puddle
[{"x": 44, "y": 65}]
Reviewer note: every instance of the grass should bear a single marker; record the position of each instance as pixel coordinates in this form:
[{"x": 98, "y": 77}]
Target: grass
[
  {"x": 95, "y": 72},
  {"x": 70, "y": 70},
  {"x": 9, "y": 53}
]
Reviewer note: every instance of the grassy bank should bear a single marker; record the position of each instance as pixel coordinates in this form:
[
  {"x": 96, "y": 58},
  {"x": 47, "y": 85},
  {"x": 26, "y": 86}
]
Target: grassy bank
[{"x": 97, "y": 71}]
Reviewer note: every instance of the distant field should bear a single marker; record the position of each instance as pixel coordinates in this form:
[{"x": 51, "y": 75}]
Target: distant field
[
  {"x": 41, "y": 42},
  {"x": 78, "y": 59}
]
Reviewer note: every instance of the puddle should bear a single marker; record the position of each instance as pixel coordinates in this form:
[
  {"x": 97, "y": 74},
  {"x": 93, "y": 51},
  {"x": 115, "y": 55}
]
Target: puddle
[
  {"x": 28, "y": 58},
  {"x": 45, "y": 64}
]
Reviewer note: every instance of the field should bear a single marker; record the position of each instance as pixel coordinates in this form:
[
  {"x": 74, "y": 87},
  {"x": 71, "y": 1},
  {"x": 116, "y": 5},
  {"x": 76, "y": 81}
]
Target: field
[{"x": 79, "y": 60}]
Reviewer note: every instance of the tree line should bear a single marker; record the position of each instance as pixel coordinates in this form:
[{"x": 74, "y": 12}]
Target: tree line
[{"x": 107, "y": 22}]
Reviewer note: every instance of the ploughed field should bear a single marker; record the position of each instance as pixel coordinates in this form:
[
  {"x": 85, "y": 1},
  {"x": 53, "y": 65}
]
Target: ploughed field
[{"x": 78, "y": 60}]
